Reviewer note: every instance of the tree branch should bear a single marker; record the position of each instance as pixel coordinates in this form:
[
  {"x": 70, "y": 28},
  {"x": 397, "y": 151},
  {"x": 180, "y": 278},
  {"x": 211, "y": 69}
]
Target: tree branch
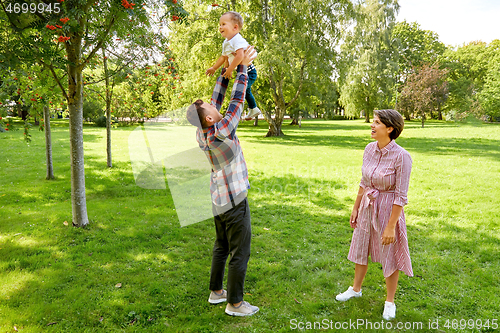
[
  {"x": 300, "y": 85},
  {"x": 58, "y": 80},
  {"x": 99, "y": 45},
  {"x": 273, "y": 86}
]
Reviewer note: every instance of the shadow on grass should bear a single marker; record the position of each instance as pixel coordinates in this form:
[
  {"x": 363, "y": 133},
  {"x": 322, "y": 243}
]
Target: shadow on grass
[
  {"x": 313, "y": 126},
  {"x": 432, "y": 146}
]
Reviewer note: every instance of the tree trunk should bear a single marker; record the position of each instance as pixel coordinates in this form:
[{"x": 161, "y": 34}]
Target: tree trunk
[
  {"x": 423, "y": 119},
  {"x": 108, "y": 112},
  {"x": 75, "y": 106},
  {"x": 274, "y": 128},
  {"x": 367, "y": 110},
  {"x": 276, "y": 122},
  {"x": 23, "y": 113},
  {"x": 48, "y": 143},
  {"x": 440, "y": 114},
  {"x": 279, "y": 101},
  {"x": 294, "y": 121},
  {"x": 407, "y": 115},
  {"x": 256, "y": 122}
]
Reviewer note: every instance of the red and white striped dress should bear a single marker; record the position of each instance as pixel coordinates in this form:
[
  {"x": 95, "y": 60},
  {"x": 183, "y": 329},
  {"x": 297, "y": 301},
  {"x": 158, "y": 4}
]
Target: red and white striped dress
[{"x": 385, "y": 179}]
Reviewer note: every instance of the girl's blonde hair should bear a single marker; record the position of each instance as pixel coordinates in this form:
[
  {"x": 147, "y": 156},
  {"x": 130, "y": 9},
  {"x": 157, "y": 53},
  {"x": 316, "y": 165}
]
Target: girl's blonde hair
[{"x": 236, "y": 18}]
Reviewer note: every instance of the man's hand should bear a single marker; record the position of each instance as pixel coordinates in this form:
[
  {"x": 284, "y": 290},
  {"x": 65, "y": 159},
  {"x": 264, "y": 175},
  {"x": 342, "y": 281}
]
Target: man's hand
[{"x": 249, "y": 56}]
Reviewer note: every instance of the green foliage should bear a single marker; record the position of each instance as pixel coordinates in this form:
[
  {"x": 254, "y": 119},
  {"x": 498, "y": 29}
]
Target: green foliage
[
  {"x": 101, "y": 121},
  {"x": 303, "y": 33},
  {"x": 196, "y": 44},
  {"x": 424, "y": 92},
  {"x": 416, "y": 46},
  {"x": 368, "y": 73},
  {"x": 92, "y": 109},
  {"x": 469, "y": 66},
  {"x": 490, "y": 95}
]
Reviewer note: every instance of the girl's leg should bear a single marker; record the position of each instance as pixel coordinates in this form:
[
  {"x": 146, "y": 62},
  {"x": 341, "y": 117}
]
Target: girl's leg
[
  {"x": 392, "y": 284},
  {"x": 252, "y": 76},
  {"x": 359, "y": 276}
]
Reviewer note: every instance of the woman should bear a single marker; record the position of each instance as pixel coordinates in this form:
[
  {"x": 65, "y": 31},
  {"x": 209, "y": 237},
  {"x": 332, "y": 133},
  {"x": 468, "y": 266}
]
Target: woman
[{"x": 378, "y": 217}]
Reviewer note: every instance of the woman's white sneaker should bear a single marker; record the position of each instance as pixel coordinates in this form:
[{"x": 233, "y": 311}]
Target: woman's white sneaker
[
  {"x": 348, "y": 294},
  {"x": 389, "y": 311}
]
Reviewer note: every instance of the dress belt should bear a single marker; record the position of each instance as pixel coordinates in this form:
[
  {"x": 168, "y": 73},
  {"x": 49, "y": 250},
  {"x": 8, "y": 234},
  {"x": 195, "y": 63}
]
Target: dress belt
[{"x": 369, "y": 199}]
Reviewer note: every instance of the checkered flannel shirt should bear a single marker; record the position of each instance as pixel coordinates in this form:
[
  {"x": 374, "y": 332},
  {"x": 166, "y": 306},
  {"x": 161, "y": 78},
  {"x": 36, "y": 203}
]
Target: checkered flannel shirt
[{"x": 229, "y": 176}]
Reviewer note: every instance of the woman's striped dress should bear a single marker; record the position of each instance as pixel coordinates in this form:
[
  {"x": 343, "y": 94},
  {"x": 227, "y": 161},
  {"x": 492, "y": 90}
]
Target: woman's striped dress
[{"x": 385, "y": 180}]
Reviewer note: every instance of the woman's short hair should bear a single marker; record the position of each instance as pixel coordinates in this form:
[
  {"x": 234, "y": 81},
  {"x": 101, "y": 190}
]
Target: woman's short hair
[
  {"x": 196, "y": 114},
  {"x": 391, "y": 118}
]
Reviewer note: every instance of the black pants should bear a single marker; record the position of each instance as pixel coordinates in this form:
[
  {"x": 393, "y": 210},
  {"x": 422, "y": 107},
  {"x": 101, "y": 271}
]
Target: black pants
[{"x": 233, "y": 236}]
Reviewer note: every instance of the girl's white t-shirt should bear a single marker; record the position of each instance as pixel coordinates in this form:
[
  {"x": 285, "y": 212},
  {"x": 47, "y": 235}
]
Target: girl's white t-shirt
[{"x": 232, "y": 45}]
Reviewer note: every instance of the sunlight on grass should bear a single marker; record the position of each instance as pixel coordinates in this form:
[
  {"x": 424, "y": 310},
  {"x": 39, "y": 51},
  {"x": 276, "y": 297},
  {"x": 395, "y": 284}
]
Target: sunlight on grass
[
  {"x": 14, "y": 281},
  {"x": 25, "y": 241},
  {"x": 152, "y": 257}
]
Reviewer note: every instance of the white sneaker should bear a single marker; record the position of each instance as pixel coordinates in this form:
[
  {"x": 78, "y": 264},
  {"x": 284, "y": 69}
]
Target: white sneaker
[
  {"x": 253, "y": 113},
  {"x": 245, "y": 309},
  {"x": 389, "y": 311},
  {"x": 348, "y": 294}
]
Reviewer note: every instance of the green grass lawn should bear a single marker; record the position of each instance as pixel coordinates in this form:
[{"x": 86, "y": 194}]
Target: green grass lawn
[{"x": 135, "y": 269}]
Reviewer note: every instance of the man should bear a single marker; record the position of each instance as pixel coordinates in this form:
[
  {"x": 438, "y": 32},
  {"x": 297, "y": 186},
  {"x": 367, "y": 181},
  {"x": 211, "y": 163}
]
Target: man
[{"x": 229, "y": 186}]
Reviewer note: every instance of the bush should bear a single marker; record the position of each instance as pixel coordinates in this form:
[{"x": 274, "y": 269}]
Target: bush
[
  {"x": 101, "y": 121},
  {"x": 339, "y": 117},
  {"x": 92, "y": 110},
  {"x": 495, "y": 119}
]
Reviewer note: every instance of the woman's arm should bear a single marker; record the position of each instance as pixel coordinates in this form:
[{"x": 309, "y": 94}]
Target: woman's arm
[
  {"x": 389, "y": 235},
  {"x": 354, "y": 215},
  {"x": 403, "y": 169}
]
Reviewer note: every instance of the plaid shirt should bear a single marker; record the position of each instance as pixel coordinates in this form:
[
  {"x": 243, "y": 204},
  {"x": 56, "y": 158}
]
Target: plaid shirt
[{"x": 229, "y": 176}]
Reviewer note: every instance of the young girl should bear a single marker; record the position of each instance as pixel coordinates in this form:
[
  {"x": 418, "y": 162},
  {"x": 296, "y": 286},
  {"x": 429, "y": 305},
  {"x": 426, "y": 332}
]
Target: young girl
[{"x": 233, "y": 49}]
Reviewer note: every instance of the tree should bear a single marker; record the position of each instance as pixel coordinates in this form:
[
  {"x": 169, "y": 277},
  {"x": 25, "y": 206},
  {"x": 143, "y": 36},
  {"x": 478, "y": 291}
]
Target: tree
[
  {"x": 425, "y": 91},
  {"x": 469, "y": 66},
  {"x": 371, "y": 61},
  {"x": 490, "y": 95},
  {"x": 297, "y": 41},
  {"x": 78, "y": 29},
  {"x": 48, "y": 143},
  {"x": 43, "y": 94},
  {"x": 416, "y": 47},
  {"x": 196, "y": 44},
  {"x": 360, "y": 90}
]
